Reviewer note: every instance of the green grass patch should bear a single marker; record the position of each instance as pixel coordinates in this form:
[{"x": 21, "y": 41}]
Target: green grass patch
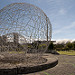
[{"x": 67, "y": 52}]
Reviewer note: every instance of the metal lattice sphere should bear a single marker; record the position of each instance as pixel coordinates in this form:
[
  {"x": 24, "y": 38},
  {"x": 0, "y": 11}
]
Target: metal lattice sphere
[{"x": 24, "y": 27}]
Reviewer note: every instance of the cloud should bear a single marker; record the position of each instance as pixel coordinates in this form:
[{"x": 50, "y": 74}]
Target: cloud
[
  {"x": 59, "y": 41},
  {"x": 62, "y": 11},
  {"x": 65, "y": 28},
  {"x": 70, "y": 26}
]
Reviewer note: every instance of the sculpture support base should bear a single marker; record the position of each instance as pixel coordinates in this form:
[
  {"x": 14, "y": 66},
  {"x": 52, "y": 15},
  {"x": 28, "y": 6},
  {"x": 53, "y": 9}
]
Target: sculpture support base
[{"x": 51, "y": 62}]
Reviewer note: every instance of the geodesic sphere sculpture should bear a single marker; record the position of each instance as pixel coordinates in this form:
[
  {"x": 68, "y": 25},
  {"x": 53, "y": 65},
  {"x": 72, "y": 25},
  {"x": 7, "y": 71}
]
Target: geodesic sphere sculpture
[{"x": 24, "y": 23}]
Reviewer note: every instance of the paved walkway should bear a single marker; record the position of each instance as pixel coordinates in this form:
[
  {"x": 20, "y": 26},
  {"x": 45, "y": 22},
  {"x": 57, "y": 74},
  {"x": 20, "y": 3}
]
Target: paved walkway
[{"x": 66, "y": 66}]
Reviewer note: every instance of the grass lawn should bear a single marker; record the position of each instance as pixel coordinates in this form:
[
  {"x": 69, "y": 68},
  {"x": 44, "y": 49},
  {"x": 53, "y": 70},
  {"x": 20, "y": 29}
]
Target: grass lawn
[{"x": 67, "y": 52}]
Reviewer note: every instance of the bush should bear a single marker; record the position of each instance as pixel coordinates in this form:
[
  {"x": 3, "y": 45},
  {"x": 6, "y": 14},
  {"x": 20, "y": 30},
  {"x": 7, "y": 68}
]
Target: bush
[
  {"x": 51, "y": 46},
  {"x": 73, "y": 44},
  {"x": 68, "y": 46}
]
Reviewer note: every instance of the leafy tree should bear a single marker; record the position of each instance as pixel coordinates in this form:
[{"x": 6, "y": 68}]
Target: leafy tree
[
  {"x": 68, "y": 46},
  {"x": 73, "y": 45},
  {"x": 51, "y": 46},
  {"x": 60, "y": 46}
]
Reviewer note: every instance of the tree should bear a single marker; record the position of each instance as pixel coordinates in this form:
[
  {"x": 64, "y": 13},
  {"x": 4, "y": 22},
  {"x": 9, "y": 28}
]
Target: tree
[
  {"x": 51, "y": 46},
  {"x": 73, "y": 43},
  {"x": 59, "y": 46},
  {"x": 68, "y": 46}
]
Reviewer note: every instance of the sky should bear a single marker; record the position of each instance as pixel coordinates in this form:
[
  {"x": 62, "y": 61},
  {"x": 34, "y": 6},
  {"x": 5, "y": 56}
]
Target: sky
[{"x": 60, "y": 12}]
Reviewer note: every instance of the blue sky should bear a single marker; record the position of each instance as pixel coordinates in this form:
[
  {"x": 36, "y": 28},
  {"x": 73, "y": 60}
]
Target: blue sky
[{"x": 60, "y": 12}]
